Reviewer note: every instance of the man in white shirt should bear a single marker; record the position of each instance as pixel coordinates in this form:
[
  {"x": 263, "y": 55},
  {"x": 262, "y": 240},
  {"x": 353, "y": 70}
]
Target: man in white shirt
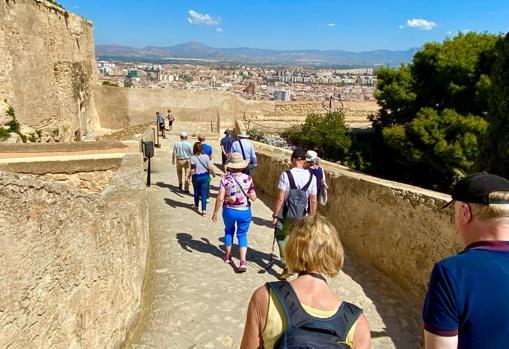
[{"x": 295, "y": 189}]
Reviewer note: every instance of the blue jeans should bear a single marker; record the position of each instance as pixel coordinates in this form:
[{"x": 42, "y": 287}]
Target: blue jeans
[
  {"x": 200, "y": 188},
  {"x": 243, "y": 220}
]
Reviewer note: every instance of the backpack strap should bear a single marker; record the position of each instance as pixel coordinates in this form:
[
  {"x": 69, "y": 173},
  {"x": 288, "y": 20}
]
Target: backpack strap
[
  {"x": 242, "y": 149},
  {"x": 339, "y": 324},
  {"x": 287, "y": 299},
  {"x": 305, "y": 188},
  {"x": 291, "y": 179}
]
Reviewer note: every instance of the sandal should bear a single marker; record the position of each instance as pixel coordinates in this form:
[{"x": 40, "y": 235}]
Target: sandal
[{"x": 204, "y": 213}]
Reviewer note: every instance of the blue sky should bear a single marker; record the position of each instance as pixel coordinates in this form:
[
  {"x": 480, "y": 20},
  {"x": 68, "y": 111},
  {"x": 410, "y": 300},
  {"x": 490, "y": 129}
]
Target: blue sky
[{"x": 289, "y": 24}]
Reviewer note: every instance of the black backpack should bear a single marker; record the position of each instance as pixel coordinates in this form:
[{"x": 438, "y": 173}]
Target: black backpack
[
  {"x": 297, "y": 201},
  {"x": 307, "y": 332}
]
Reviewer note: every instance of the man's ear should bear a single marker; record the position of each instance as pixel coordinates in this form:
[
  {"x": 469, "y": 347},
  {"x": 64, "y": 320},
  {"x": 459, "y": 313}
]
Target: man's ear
[{"x": 466, "y": 213}]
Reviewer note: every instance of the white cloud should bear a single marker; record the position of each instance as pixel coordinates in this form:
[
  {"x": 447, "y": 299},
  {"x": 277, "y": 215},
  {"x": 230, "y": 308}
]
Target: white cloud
[
  {"x": 466, "y": 31},
  {"x": 419, "y": 23},
  {"x": 199, "y": 18},
  {"x": 219, "y": 30},
  {"x": 328, "y": 25}
]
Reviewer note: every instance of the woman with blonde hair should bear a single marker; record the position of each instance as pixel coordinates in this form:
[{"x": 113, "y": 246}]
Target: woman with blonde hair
[{"x": 305, "y": 312}]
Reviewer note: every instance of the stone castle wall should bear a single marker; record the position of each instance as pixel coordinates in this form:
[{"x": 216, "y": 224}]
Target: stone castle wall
[
  {"x": 47, "y": 67},
  {"x": 398, "y": 228},
  {"x": 73, "y": 262},
  {"x": 125, "y": 107}
]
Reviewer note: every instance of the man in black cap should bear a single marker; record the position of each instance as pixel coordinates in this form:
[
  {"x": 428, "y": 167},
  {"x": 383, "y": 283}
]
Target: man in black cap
[
  {"x": 467, "y": 301},
  {"x": 296, "y": 188}
]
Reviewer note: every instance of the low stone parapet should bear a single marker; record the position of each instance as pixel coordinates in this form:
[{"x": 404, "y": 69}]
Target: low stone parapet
[
  {"x": 73, "y": 263},
  {"x": 398, "y": 228}
]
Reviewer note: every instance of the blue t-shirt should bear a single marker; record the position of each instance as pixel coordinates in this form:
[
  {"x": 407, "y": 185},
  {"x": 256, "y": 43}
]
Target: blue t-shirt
[
  {"x": 226, "y": 143},
  {"x": 207, "y": 149},
  {"x": 468, "y": 296}
]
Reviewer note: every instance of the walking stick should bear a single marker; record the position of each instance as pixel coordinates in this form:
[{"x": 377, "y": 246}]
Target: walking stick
[{"x": 271, "y": 259}]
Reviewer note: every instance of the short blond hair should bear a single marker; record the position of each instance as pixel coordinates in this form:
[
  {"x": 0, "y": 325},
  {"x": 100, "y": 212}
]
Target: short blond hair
[
  {"x": 314, "y": 245},
  {"x": 494, "y": 212}
]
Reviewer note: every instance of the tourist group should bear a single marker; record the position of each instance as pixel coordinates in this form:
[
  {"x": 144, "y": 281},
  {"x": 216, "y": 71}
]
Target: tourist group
[{"x": 465, "y": 306}]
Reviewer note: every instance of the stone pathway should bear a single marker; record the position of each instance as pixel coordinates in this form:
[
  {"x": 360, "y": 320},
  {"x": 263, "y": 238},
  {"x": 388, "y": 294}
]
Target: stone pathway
[{"x": 193, "y": 299}]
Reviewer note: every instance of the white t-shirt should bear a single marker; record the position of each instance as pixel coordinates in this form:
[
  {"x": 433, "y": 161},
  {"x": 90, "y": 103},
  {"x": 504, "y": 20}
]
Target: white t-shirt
[{"x": 301, "y": 178}]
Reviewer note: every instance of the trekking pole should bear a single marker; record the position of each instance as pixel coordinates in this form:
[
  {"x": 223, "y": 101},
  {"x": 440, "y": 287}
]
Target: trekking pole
[{"x": 271, "y": 259}]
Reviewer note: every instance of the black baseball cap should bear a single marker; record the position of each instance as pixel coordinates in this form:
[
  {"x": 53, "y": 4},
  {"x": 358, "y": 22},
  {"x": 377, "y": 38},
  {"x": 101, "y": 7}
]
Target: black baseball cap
[
  {"x": 299, "y": 154},
  {"x": 477, "y": 188}
]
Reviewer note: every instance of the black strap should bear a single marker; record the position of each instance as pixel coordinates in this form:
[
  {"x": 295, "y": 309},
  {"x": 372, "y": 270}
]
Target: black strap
[
  {"x": 315, "y": 275},
  {"x": 242, "y": 189},
  {"x": 340, "y": 323},
  {"x": 292, "y": 181},
  {"x": 202, "y": 163},
  {"x": 242, "y": 149}
]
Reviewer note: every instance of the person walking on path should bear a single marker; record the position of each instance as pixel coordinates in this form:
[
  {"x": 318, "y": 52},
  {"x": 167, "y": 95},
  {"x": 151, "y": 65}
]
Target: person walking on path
[
  {"x": 295, "y": 197},
  {"x": 171, "y": 119},
  {"x": 226, "y": 148},
  {"x": 181, "y": 155},
  {"x": 312, "y": 162},
  {"x": 236, "y": 191},
  {"x": 207, "y": 148},
  {"x": 466, "y": 303},
  {"x": 246, "y": 148},
  {"x": 306, "y": 312},
  {"x": 201, "y": 170},
  {"x": 160, "y": 122}
]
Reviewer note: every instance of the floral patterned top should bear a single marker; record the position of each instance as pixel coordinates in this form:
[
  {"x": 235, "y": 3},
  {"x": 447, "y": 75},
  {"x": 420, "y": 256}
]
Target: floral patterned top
[{"x": 234, "y": 197}]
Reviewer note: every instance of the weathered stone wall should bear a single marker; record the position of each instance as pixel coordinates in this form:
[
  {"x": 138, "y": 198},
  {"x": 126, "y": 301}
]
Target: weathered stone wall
[
  {"x": 73, "y": 263},
  {"x": 399, "y": 228},
  {"x": 47, "y": 67},
  {"x": 124, "y": 107}
]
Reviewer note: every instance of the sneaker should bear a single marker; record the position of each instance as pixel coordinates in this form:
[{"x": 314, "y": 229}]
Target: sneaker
[
  {"x": 227, "y": 258},
  {"x": 242, "y": 267},
  {"x": 208, "y": 200}
]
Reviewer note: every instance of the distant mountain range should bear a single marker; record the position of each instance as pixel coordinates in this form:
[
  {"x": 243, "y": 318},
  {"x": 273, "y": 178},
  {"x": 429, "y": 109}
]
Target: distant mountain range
[{"x": 198, "y": 51}]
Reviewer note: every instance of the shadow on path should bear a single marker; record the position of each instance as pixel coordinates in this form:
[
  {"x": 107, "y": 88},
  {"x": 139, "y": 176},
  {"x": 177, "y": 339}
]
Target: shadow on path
[
  {"x": 390, "y": 301},
  {"x": 203, "y": 245}
]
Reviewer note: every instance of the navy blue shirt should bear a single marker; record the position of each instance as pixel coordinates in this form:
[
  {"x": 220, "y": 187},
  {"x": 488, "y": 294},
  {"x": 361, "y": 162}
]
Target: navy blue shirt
[
  {"x": 226, "y": 143},
  {"x": 468, "y": 296}
]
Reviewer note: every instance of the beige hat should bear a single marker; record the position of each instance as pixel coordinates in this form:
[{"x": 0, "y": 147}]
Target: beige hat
[
  {"x": 183, "y": 134},
  {"x": 243, "y": 134},
  {"x": 237, "y": 161}
]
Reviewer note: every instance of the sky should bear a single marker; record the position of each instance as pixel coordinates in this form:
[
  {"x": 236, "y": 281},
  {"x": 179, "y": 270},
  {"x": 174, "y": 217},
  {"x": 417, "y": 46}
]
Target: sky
[{"x": 289, "y": 24}]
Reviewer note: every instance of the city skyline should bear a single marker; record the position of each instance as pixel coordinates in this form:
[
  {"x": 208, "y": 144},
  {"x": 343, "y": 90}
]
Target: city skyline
[{"x": 285, "y": 25}]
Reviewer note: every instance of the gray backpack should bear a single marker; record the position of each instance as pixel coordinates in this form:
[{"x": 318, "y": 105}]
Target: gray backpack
[{"x": 296, "y": 203}]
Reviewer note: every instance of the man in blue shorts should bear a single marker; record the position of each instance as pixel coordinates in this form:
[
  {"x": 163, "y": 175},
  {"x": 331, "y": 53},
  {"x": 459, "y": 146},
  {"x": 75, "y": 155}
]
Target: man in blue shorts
[{"x": 467, "y": 304}]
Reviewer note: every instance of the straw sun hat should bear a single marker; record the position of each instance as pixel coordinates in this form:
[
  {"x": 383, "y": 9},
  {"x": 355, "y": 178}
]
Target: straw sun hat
[{"x": 237, "y": 161}]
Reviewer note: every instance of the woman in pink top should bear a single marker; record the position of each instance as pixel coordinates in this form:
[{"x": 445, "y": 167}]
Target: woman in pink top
[{"x": 235, "y": 193}]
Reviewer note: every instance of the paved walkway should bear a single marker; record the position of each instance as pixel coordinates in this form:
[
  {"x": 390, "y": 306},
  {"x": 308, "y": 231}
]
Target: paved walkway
[{"x": 194, "y": 300}]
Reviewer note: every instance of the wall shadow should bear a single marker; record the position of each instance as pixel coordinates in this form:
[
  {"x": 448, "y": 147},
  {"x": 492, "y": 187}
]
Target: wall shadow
[{"x": 393, "y": 305}]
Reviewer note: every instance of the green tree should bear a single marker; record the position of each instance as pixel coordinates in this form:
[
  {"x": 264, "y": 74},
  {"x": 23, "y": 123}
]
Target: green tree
[
  {"x": 325, "y": 133},
  {"x": 495, "y": 154},
  {"x": 438, "y": 145},
  {"x": 449, "y": 75}
]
